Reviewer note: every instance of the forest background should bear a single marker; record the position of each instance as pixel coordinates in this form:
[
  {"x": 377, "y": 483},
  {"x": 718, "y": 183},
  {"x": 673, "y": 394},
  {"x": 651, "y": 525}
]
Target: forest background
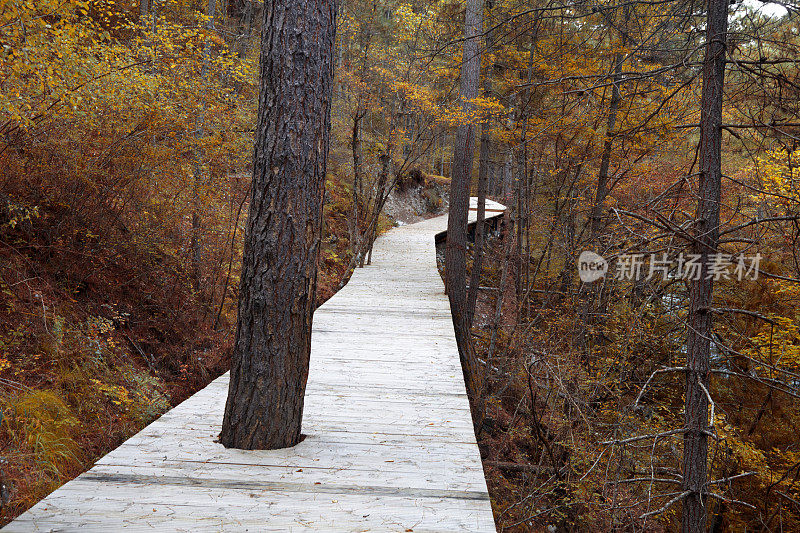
[{"x": 125, "y": 146}]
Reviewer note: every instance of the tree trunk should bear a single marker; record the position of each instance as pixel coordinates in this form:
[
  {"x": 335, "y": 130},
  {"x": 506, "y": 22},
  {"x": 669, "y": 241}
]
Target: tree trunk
[
  {"x": 483, "y": 188},
  {"x": 245, "y": 30},
  {"x": 506, "y": 243},
  {"x": 382, "y": 191},
  {"x": 695, "y": 441},
  {"x": 456, "y": 248},
  {"x": 246, "y": 26},
  {"x": 279, "y": 267},
  {"x": 144, "y": 8},
  {"x": 508, "y": 164},
  {"x": 596, "y": 216},
  {"x": 199, "y": 182},
  {"x": 358, "y": 165},
  {"x": 480, "y": 226},
  {"x": 372, "y": 213}
]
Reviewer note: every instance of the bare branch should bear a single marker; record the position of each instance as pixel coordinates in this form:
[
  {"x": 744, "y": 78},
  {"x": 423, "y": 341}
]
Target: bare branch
[
  {"x": 669, "y": 504},
  {"x": 659, "y": 371},
  {"x": 644, "y": 437}
]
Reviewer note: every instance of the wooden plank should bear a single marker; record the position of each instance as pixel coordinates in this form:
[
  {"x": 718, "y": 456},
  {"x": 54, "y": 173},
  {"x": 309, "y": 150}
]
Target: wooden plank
[
  {"x": 389, "y": 446},
  {"x": 193, "y": 509}
]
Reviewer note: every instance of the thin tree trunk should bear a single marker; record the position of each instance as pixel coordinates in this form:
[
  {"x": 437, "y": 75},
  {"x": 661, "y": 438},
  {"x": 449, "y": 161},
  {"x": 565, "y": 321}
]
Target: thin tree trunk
[
  {"x": 246, "y": 28},
  {"x": 695, "y": 441},
  {"x": 508, "y": 164},
  {"x": 480, "y": 229},
  {"x": 483, "y": 187},
  {"x": 480, "y": 225},
  {"x": 245, "y": 31},
  {"x": 372, "y": 212},
  {"x": 144, "y": 8},
  {"x": 520, "y": 221},
  {"x": 230, "y": 264},
  {"x": 440, "y": 142},
  {"x": 456, "y": 248},
  {"x": 358, "y": 166},
  {"x": 596, "y": 216},
  {"x": 522, "y": 175},
  {"x": 383, "y": 189},
  {"x": 507, "y": 244},
  {"x": 279, "y": 268},
  {"x": 196, "y": 242}
]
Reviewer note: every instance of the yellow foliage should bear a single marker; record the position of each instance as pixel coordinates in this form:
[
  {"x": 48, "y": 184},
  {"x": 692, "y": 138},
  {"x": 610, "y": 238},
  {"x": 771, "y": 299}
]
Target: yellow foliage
[
  {"x": 117, "y": 394},
  {"x": 778, "y": 178},
  {"x": 40, "y": 421}
]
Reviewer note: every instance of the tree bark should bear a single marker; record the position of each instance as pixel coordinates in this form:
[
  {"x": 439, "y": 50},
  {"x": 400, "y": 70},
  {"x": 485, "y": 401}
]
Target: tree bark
[
  {"x": 199, "y": 182},
  {"x": 521, "y": 180},
  {"x": 603, "y": 188},
  {"x": 695, "y": 442},
  {"x": 508, "y": 165},
  {"x": 372, "y": 212},
  {"x": 279, "y": 268},
  {"x": 245, "y": 25},
  {"x": 456, "y": 247},
  {"x": 483, "y": 188},
  {"x": 244, "y": 10},
  {"x": 596, "y": 216},
  {"x": 358, "y": 165},
  {"x": 506, "y": 243},
  {"x": 480, "y": 226}
]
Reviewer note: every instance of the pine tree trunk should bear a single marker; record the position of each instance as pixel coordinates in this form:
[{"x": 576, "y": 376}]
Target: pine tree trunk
[
  {"x": 483, "y": 188},
  {"x": 456, "y": 248},
  {"x": 279, "y": 268},
  {"x": 695, "y": 441}
]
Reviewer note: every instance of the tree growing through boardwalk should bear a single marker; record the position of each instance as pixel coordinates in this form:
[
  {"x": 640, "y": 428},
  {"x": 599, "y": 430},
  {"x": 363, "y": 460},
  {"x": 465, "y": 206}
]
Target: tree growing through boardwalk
[
  {"x": 456, "y": 248},
  {"x": 279, "y": 267}
]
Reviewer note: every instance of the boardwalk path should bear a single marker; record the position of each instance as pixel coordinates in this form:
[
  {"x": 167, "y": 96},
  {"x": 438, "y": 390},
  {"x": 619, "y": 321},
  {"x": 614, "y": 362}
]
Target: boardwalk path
[{"x": 390, "y": 444}]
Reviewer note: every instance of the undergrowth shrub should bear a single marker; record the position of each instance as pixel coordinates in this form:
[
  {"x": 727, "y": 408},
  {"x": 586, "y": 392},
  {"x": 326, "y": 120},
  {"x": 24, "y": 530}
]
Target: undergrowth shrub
[{"x": 42, "y": 426}]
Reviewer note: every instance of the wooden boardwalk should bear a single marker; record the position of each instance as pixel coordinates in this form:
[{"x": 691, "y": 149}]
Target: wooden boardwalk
[{"x": 389, "y": 447}]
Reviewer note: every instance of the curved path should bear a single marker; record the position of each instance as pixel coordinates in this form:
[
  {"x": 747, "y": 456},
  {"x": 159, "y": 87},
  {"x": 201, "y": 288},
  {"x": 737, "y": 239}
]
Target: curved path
[{"x": 390, "y": 443}]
